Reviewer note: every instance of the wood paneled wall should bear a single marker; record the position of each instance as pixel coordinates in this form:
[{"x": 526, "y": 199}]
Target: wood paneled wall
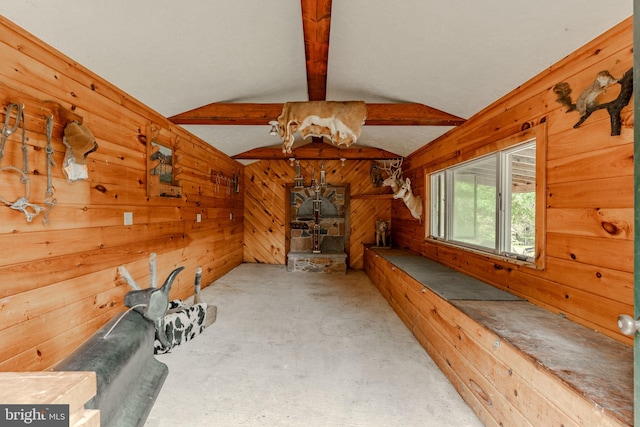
[
  {"x": 589, "y": 199},
  {"x": 60, "y": 281},
  {"x": 266, "y": 198}
]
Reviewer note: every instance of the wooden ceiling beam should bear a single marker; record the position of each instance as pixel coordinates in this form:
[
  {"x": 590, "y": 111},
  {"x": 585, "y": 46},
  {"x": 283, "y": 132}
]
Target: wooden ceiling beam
[
  {"x": 317, "y": 151},
  {"x": 223, "y": 113},
  {"x": 316, "y": 23},
  {"x": 409, "y": 114},
  {"x": 402, "y": 114}
]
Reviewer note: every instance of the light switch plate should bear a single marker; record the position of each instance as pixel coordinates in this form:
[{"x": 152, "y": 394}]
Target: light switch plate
[{"x": 128, "y": 218}]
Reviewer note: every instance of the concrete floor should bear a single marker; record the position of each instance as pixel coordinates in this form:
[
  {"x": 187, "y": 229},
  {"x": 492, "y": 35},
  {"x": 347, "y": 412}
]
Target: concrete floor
[{"x": 304, "y": 349}]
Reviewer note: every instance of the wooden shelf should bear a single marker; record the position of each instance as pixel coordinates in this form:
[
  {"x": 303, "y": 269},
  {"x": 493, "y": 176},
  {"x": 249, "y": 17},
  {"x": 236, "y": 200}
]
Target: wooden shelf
[{"x": 41, "y": 388}]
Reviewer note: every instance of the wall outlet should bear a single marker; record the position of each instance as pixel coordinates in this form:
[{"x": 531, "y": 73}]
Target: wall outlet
[
  {"x": 128, "y": 218},
  {"x": 198, "y": 218}
]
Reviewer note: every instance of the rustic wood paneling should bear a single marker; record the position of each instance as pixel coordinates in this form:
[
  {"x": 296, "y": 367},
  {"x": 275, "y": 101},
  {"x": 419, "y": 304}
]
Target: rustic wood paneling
[
  {"x": 60, "y": 280},
  {"x": 364, "y": 213},
  {"x": 589, "y": 198},
  {"x": 266, "y": 202}
]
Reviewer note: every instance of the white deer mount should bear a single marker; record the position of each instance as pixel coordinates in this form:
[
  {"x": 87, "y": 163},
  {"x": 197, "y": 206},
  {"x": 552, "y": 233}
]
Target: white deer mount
[
  {"x": 401, "y": 189},
  {"x": 411, "y": 201},
  {"x": 393, "y": 168}
]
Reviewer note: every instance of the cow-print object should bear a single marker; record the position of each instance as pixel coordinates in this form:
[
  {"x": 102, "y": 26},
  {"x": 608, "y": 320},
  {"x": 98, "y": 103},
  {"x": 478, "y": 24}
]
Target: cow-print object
[{"x": 181, "y": 324}]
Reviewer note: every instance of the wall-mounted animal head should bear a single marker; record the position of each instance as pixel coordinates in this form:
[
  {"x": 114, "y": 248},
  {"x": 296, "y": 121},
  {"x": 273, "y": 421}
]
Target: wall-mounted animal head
[
  {"x": 405, "y": 187},
  {"x": 376, "y": 175},
  {"x": 412, "y": 202},
  {"x": 393, "y": 168},
  {"x": 393, "y": 181}
]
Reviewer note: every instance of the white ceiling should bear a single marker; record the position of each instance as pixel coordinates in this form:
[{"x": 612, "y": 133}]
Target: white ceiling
[{"x": 456, "y": 56}]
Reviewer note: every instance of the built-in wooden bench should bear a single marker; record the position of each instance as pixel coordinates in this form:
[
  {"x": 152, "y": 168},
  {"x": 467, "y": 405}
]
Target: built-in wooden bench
[{"x": 514, "y": 363}]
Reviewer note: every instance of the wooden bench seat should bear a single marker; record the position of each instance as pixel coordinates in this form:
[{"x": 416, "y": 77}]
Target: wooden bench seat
[{"x": 514, "y": 363}]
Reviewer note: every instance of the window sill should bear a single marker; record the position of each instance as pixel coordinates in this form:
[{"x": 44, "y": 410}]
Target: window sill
[{"x": 502, "y": 258}]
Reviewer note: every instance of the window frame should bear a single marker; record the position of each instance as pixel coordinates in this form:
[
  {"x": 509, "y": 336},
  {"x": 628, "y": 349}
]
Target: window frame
[{"x": 504, "y": 145}]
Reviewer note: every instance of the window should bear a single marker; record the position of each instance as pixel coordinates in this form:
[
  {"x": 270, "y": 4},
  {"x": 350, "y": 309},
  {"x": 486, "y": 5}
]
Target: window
[
  {"x": 473, "y": 219},
  {"x": 494, "y": 203}
]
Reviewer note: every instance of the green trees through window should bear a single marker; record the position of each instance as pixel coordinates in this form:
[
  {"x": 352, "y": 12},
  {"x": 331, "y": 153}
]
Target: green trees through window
[{"x": 488, "y": 203}]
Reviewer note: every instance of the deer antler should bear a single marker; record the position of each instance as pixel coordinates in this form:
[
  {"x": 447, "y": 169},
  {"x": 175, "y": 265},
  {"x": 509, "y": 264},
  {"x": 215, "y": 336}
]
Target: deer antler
[{"x": 393, "y": 167}]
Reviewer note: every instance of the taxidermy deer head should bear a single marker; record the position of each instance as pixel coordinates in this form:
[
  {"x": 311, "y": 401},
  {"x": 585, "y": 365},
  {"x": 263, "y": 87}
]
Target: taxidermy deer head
[{"x": 412, "y": 202}]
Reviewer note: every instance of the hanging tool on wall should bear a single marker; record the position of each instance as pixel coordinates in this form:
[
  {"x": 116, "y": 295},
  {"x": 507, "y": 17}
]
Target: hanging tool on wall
[
  {"x": 80, "y": 142},
  {"x": 49, "y": 200},
  {"x": 22, "y": 204}
]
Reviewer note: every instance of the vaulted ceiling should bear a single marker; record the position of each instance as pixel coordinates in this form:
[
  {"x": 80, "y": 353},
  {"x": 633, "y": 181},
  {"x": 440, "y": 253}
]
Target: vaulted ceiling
[{"x": 223, "y": 69}]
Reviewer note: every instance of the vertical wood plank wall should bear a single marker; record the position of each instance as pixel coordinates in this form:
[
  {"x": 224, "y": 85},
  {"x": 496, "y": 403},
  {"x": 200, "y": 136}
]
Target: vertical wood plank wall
[
  {"x": 589, "y": 199},
  {"x": 59, "y": 281},
  {"x": 266, "y": 199}
]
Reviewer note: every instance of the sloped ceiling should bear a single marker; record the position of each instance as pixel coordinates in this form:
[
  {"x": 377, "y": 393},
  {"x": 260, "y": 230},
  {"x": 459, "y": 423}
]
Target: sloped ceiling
[{"x": 457, "y": 57}]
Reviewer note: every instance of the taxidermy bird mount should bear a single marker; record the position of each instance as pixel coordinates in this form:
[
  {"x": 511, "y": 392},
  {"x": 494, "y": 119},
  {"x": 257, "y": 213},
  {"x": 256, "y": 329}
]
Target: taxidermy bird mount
[{"x": 587, "y": 103}]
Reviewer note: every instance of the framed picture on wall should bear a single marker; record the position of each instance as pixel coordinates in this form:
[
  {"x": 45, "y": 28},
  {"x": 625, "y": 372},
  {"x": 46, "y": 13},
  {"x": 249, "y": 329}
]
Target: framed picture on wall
[{"x": 161, "y": 170}]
